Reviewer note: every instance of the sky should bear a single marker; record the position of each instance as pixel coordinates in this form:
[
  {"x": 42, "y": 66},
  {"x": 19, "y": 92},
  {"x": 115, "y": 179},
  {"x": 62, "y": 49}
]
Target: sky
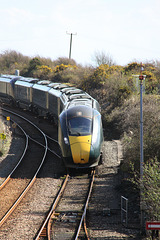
[{"x": 127, "y": 30}]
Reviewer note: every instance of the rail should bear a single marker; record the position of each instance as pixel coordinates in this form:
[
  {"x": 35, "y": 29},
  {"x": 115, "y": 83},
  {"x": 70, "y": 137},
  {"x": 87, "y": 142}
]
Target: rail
[
  {"x": 45, "y": 229},
  {"x": 5, "y": 217},
  {"x": 85, "y": 209}
]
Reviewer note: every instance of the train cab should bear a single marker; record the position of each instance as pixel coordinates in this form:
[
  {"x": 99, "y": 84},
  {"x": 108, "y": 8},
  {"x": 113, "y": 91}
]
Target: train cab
[{"x": 80, "y": 136}]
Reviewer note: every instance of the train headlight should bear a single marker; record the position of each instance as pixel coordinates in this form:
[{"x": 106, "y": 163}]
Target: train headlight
[
  {"x": 95, "y": 131},
  {"x": 66, "y": 141},
  {"x": 95, "y": 135}
]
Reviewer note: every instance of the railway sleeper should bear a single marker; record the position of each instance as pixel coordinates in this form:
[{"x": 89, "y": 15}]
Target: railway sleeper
[{"x": 67, "y": 216}]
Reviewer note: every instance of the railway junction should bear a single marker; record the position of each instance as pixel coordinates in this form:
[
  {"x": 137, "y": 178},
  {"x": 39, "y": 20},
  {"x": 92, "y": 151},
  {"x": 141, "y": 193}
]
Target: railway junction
[{"x": 103, "y": 213}]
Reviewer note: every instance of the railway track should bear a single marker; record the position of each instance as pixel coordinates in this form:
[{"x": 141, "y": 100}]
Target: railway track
[
  {"x": 26, "y": 170},
  {"x": 68, "y": 212},
  {"x": 24, "y": 180},
  {"x": 29, "y": 212}
]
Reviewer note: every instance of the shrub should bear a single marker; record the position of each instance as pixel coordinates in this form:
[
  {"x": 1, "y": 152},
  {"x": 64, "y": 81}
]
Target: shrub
[
  {"x": 65, "y": 61},
  {"x": 132, "y": 67},
  {"x": 151, "y": 83},
  {"x": 33, "y": 67},
  {"x": 101, "y": 76},
  {"x": 43, "y": 72},
  {"x": 151, "y": 185},
  {"x": 11, "y": 60},
  {"x": 127, "y": 120}
]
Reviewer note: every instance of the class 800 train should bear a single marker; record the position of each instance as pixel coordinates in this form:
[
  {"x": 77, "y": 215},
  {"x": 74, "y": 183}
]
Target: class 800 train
[{"x": 77, "y": 114}]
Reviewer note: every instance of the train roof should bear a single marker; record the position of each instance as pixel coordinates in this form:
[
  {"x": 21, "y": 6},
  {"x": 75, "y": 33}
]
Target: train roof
[
  {"x": 55, "y": 92},
  {"x": 90, "y": 102},
  {"x": 2, "y": 79},
  {"x": 78, "y": 102},
  {"x": 77, "y": 111},
  {"x": 80, "y": 96},
  {"x": 30, "y": 80},
  {"x": 53, "y": 84},
  {"x": 61, "y": 86},
  {"x": 23, "y": 83},
  {"x": 41, "y": 87},
  {"x": 8, "y": 80},
  {"x": 44, "y": 82},
  {"x": 9, "y": 76},
  {"x": 66, "y": 89},
  {"x": 72, "y": 90}
]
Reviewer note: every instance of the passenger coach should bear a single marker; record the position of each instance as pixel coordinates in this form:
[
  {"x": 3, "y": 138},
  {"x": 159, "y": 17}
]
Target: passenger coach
[{"x": 80, "y": 132}]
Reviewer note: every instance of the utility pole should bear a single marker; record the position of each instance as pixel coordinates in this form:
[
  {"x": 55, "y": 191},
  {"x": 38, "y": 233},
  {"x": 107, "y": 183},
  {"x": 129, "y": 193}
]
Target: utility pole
[{"x": 70, "y": 43}]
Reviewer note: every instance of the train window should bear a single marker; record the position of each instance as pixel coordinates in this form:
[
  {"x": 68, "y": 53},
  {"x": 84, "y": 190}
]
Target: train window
[{"x": 79, "y": 126}]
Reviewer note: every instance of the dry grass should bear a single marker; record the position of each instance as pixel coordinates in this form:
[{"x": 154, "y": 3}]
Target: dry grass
[{"x": 4, "y": 144}]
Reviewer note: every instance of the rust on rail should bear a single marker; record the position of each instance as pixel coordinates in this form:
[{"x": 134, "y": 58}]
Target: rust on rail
[{"x": 45, "y": 229}]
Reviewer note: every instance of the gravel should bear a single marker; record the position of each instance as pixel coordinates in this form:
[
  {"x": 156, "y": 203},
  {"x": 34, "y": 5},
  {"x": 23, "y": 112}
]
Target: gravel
[
  {"x": 104, "y": 215},
  {"x": 104, "y": 220}
]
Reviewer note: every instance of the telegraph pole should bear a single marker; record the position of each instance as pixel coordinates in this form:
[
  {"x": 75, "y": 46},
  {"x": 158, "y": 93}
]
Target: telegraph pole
[{"x": 70, "y": 43}]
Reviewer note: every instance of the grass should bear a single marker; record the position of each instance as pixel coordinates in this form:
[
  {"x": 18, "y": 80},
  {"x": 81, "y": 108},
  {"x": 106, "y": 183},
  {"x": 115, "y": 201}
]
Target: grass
[{"x": 5, "y": 144}]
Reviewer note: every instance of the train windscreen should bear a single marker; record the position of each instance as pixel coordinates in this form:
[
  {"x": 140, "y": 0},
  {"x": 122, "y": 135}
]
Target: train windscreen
[{"x": 79, "y": 126}]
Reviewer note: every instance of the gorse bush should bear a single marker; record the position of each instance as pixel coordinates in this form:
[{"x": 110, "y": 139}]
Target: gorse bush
[
  {"x": 117, "y": 91},
  {"x": 127, "y": 121},
  {"x": 151, "y": 82},
  {"x": 132, "y": 68},
  {"x": 63, "y": 67}
]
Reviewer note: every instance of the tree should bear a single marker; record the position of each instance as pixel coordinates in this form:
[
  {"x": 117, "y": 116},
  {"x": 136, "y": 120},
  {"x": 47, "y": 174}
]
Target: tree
[
  {"x": 102, "y": 58},
  {"x": 65, "y": 61},
  {"x": 11, "y": 60},
  {"x": 33, "y": 66}
]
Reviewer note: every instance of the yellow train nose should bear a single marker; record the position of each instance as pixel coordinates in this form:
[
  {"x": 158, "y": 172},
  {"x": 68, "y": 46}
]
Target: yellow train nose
[{"x": 80, "y": 148}]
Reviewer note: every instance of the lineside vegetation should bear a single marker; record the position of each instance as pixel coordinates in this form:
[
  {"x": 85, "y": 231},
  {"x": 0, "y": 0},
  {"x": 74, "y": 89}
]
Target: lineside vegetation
[{"x": 118, "y": 94}]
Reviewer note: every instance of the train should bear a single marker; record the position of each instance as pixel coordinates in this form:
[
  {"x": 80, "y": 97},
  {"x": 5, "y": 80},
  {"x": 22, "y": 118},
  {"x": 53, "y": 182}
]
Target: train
[{"x": 76, "y": 113}]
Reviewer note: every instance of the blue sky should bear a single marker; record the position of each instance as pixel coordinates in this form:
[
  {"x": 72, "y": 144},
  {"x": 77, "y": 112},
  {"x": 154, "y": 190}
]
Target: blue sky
[{"x": 126, "y": 30}]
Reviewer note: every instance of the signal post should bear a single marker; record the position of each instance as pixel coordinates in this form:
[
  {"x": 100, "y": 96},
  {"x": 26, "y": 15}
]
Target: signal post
[{"x": 141, "y": 79}]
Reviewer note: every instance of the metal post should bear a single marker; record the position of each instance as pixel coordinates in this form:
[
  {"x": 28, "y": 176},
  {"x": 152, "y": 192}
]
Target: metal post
[
  {"x": 124, "y": 211},
  {"x": 141, "y": 130},
  {"x": 141, "y": 78}
]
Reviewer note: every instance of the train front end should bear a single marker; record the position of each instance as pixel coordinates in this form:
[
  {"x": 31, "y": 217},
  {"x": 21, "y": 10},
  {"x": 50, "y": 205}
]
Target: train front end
[{"x": 80, "y": 137}]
